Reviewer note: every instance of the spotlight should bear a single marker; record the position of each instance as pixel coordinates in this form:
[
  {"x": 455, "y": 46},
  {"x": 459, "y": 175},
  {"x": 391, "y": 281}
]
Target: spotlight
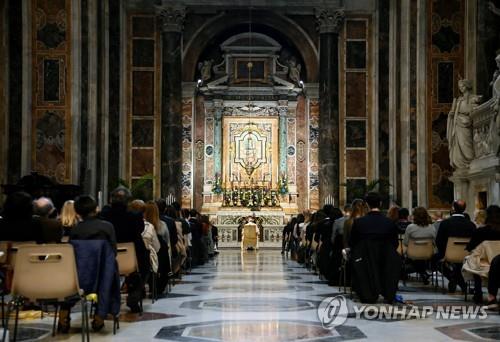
[
  {"x": 199, "y": 83},
  {"x": 301, "y": 84}
]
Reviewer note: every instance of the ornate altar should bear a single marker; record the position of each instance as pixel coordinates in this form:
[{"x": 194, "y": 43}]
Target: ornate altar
[{"x": 230, "y": 221}]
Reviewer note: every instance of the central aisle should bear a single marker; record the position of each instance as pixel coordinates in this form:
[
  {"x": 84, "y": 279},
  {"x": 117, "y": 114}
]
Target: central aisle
[{"x": 246, "y": 297}]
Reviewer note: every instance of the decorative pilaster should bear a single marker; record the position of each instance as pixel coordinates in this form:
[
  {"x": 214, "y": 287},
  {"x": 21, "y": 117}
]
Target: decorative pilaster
[
  {"x": 172, "y": 19},
  {"x": 330, "y": 23},
  {"x": 218, "y": 137},
  {"x": 283, "y": 115}
]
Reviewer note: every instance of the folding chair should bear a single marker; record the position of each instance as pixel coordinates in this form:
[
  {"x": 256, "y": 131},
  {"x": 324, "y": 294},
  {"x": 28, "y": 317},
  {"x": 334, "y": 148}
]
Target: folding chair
[
  {"x": 420, "y": 250},
  {"x": 454, "y": 254},
  {"x": 127, "y": 261},
  {"x": 47, "y": 274}
]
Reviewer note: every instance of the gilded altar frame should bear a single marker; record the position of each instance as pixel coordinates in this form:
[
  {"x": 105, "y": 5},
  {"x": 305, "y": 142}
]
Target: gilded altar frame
[{"x": 228, "y": 147}]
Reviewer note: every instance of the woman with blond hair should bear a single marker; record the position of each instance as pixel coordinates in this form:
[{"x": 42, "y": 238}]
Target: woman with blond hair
[{"x": 68, "y": 216}]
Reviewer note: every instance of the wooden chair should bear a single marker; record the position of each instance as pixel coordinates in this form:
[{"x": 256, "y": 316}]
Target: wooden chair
[
  {"x": 47, "y": 274},
  {"x": 454, "y": 254}
]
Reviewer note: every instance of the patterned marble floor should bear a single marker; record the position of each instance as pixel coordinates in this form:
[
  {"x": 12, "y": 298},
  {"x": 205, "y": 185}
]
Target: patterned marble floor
[{"x": 253, "y": 295}]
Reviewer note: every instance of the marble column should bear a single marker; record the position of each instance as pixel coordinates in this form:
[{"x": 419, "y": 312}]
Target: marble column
[
  {"x": 172, "y": 19},
  {"x": 283, "y": 115},
  {"x": 405, "y": 105},
  {"x": 330, "y": 23},
  {"x": 218, "y": 109},
  {"x": 422, "y": 131},
  {"x": 3, "y": 90}
]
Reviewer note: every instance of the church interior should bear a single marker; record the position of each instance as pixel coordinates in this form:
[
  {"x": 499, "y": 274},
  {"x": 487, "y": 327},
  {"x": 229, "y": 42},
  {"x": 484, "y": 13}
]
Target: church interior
[{"x": 224, "y": 170}]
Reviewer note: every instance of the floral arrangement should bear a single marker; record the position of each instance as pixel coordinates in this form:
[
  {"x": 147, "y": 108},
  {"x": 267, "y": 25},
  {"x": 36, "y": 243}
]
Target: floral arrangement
[
  {"x": 217, "y": 185},
  {"x": 283, "y": 184}
]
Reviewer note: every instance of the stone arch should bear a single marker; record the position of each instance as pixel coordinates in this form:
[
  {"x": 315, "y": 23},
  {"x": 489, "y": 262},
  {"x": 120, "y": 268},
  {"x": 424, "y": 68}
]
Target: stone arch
[{"x": 224, "y": 21}]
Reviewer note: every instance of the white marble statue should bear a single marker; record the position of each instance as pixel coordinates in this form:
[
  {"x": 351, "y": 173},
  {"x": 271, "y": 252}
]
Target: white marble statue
[
  {"x": 459, "y": 130},
  {"x": 294, "y": 69},
  {"x": 206, "y": 69},
  {"x": 495, "y": 122}
]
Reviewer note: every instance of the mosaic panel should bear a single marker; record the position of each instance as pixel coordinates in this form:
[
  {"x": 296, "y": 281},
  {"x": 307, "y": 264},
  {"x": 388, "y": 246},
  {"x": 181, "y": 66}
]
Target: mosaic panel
[
  {"x": 355, "y": 189},
  {"x": 355, "y": 133},
  {"x": 355, "y": 163},
  {"x": 143, "y": 133},
  {"x": 143, "y": 53},
  {"x": 356, "y": 54},
  {"x": 51, "y": 76},
  {"x": 142, "y": 162},
  {"x": 50, "y": 143},
  {"x": 209, "y": 139},
  {"x": 51, "y": 53},
  {"x": 187, "y": 153},
  {"x": 291, "y": 150},
  {"x": 313, "y": 155},
  {"x": 356, "y": 29},
  {"x": 143, "y": 91},
  {"x": 445, "y": 63},
  {"x": 355, "y": 94},
  {"x": 141, "y": 27},
  {"x": 143, "y": 99}
]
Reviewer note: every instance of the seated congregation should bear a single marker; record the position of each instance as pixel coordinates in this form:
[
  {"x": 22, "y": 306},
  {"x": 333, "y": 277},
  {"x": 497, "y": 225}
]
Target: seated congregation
[
  {"x": 372, "y": 251},
  {"x": 128, "y": 249}
]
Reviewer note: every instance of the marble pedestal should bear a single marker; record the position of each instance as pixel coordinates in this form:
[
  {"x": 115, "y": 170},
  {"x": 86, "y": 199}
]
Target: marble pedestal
[{"x": 481, "y": 178}]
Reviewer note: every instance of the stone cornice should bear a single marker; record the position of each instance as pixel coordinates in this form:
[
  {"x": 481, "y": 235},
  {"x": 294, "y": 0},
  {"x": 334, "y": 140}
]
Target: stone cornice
[
  {"x": 329, "y": 20},
  {"x": 171, "y": 18}
]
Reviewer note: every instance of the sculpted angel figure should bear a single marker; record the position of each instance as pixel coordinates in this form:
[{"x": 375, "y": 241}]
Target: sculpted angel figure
[
  {"x": 459, "y": 130},
  {"x": 205, "y": 68}
]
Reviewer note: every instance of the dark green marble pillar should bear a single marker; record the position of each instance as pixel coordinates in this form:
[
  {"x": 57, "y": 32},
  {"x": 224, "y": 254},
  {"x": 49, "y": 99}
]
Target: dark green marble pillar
[
  {"x": 330, "y": 23},
  {"x": 172, "y": 19}
]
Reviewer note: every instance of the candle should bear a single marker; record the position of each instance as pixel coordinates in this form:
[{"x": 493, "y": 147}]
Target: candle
[{"x": 99, "y": 199}]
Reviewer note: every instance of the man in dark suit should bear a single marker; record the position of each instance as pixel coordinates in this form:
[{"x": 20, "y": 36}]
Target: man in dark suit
[
  {"x": 375, "y": 263},
  {"x": 375, "y": 225},
  {"x": 128, "y": 228},
  {"x": 457, "y": 225},
  {"x": 43, "y": 213},
  {"x": 91, "y": 227}
]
